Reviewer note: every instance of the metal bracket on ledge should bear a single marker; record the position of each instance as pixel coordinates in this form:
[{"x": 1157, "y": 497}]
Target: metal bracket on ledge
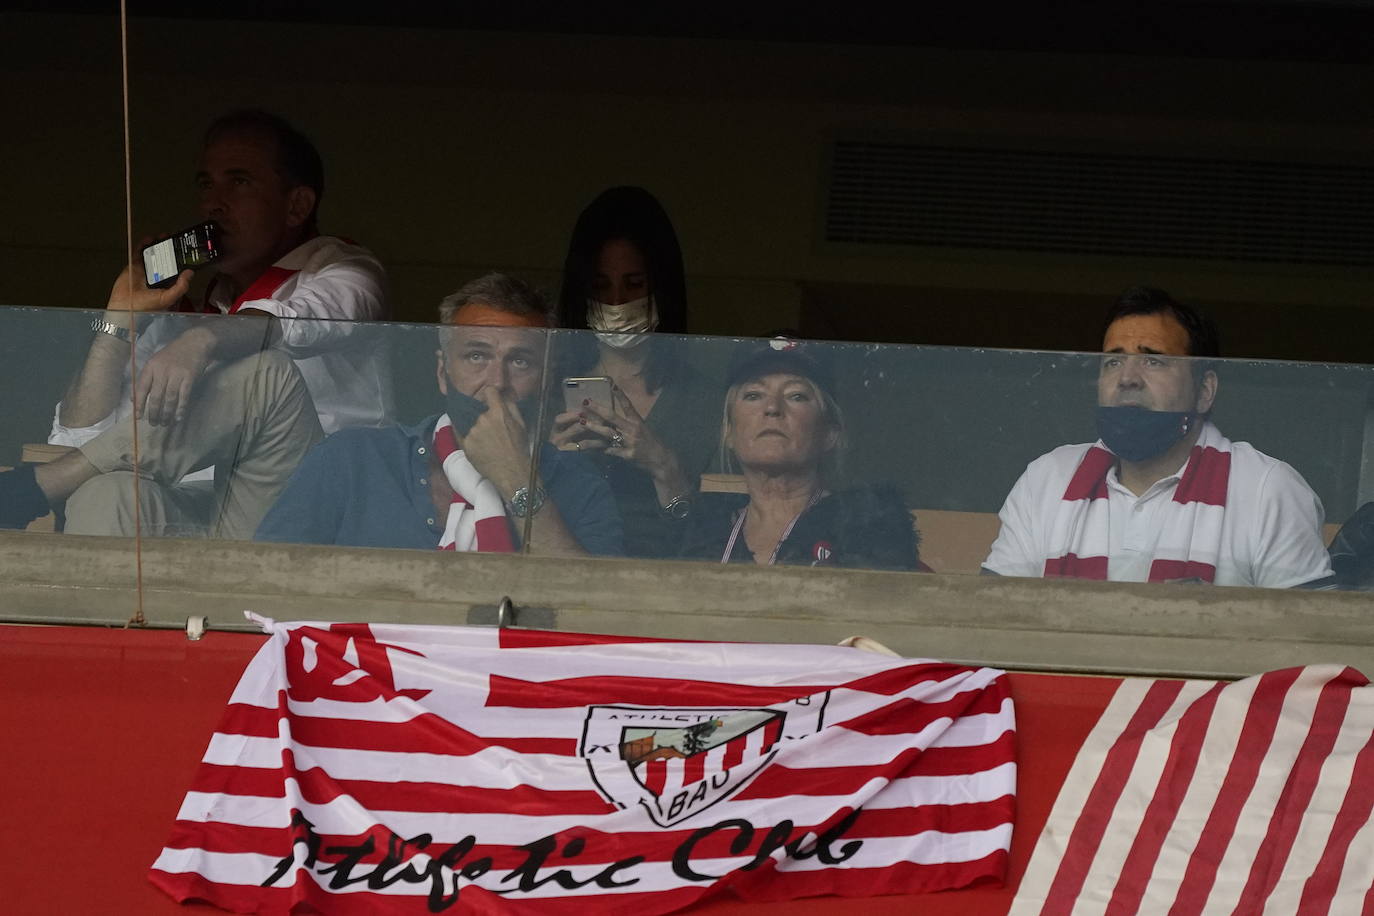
[{"x": 506, "y": 613}]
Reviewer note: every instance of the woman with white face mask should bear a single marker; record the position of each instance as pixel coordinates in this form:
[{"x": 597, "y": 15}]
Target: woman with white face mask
[{"x": 623, "y": 280}]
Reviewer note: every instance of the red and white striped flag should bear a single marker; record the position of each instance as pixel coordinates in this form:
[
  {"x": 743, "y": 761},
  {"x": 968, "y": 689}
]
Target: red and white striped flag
[
  {"x": 1197, "y": 797},
  {"x": 400, "y": 769}
]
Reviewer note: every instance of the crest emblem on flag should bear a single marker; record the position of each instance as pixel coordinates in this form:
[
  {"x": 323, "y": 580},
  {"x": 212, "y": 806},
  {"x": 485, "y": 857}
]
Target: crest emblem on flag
[{"x": 678, "y": 761}]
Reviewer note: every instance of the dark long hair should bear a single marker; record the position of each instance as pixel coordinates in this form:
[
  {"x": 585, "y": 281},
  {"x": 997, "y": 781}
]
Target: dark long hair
[{"x": 635, "y": 215}]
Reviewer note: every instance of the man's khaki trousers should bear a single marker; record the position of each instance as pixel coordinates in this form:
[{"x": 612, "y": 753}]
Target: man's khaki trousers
[{"x": 252, "y": 420}]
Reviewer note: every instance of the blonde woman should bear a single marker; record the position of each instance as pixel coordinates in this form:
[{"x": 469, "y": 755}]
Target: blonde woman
[{"x": 784, "y": 431}]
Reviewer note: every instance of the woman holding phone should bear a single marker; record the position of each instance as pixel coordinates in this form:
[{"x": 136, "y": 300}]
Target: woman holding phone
[{"x": 650, "y": 429}]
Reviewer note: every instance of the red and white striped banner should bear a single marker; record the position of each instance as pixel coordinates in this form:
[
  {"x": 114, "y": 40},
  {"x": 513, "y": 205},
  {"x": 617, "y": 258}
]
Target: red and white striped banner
[
  {"x": 1197, "y": 797},
  {"x": 402, "y": 769}
]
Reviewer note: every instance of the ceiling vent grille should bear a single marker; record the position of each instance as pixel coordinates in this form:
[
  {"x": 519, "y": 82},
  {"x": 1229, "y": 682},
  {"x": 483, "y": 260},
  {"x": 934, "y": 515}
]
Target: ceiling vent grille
[{"x": 884, "y": 193}]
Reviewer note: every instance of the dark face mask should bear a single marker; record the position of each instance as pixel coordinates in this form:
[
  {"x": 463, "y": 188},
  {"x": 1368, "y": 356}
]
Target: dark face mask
[
  {"x": 1137, "y": 434},
  {"x": 463, "y": 411}
]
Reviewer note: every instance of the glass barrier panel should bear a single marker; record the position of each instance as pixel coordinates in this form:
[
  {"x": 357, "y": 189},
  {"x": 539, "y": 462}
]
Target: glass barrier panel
[
  {"x": 1124, "y": 467},
  {"x": 58, "y": 433},
  {"x": 888, "y": 457},
  {"x": 65, "y": 214},
  {"x": 743, "y": 450},
  {"x": 633, "y": 430},
  {"x": 222, "y": 417},
  {"x": 1010, "y": 462},
  {"x": 357, "y": 434}
]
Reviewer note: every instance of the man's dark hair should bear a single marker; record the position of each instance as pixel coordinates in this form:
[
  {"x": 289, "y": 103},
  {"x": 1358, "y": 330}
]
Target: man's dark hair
[
  {"x": 1203, "y": 338},
  {"x": 298, "y": 161}
]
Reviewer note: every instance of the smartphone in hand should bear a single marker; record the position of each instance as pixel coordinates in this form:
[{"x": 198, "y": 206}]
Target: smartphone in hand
[
  {"x": 190, "y": 248},
  {"x": 595, "y": 388}
]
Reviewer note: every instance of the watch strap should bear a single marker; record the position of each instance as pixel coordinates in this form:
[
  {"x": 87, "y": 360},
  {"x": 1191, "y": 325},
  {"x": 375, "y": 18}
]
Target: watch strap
[{"x": 101, "y": 326}]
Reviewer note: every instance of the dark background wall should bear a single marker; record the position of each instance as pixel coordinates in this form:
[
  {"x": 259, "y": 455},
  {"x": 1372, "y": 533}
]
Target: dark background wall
[
  {"x": 463, "y": 141},
  {"x": 453, "y": 149}
]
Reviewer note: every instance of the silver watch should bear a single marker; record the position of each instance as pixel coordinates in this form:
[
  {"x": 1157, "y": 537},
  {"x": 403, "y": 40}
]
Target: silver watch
[
  {"x": 526, "y": 501},
  {"x": 101, "y": 326},
  {"x": 678, "y": 508}
]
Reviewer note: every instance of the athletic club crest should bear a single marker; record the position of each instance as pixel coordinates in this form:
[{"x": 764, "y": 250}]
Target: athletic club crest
[{"x": 679, "y": 761}]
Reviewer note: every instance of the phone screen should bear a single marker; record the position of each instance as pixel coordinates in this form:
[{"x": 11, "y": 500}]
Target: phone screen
[
  {"x": 194, "y": 247},
  {"x": 160, "y": 262},
  {"x": 596, "y": 389}
]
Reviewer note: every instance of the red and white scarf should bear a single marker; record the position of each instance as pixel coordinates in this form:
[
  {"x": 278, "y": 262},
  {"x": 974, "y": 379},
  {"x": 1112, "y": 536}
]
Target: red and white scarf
[
  {"x": 268, "y": 284},
  {"x": 477, "y": 515},
  {"x": 1190, "y": 525},
  {"x": 264, "y": 287}
]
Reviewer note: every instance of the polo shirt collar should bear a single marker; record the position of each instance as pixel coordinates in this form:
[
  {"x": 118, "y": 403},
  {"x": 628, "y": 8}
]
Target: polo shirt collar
[{"x": 1163, "y": 485}]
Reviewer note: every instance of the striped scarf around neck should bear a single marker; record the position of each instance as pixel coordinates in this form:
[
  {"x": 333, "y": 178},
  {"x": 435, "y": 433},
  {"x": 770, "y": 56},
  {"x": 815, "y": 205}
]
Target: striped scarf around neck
[
  {"x": 477, "y": 514},
  {"x": 1189, "y": 541}
]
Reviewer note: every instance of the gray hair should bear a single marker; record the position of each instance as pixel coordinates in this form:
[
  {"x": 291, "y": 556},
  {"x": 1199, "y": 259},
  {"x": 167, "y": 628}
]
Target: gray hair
[{"x": 501, "y": 292}]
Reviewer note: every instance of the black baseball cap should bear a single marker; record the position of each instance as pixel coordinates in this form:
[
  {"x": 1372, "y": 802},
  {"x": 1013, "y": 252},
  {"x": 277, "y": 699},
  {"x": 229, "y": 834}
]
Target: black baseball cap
[{"x": 782, "y": 353}]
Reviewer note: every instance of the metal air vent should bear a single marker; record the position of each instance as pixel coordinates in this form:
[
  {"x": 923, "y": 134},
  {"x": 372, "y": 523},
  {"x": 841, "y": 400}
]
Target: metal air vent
[{"x": 892, "y": 193}]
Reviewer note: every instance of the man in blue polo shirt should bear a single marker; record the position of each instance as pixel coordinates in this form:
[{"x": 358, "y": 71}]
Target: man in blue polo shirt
[{"x": 460, "y": 480}]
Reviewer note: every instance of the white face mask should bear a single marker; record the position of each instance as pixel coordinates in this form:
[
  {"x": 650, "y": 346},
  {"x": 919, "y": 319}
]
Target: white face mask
[{"x": 623, "y": 326}]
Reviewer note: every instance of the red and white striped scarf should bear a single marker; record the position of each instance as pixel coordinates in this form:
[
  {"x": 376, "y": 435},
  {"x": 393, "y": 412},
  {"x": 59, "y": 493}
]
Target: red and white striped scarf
[
  {"x": 1190, "y": 525},
  {"x": 268, "y": 284},
  {"x": 477, "y": 515},
  {"x": 264, "y": 287}
]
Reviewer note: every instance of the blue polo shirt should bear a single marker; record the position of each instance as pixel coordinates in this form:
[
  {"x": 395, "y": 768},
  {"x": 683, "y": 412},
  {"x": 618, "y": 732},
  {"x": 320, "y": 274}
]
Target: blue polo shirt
[{"x": 364, "y": 487}]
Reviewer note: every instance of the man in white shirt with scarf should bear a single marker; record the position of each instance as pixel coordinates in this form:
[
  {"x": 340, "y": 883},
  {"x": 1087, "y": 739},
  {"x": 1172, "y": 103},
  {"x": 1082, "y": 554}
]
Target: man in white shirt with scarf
[
  {"x": 1162, "y": 496},
  {"x": 234, "y": 401}
]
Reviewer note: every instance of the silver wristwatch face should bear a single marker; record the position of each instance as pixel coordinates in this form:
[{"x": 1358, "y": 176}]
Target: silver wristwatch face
[
  {"x": 678, "y": 507},
  {"x": 526, "y": 502}
]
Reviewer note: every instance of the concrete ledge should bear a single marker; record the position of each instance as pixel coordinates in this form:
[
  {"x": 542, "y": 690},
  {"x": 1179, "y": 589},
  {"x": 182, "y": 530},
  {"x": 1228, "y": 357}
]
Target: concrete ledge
[{"x": 1053, "y": 625}]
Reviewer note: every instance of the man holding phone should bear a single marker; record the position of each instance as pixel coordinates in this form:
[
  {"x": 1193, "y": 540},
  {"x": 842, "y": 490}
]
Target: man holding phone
[
  {"x": 260, "y": 182},
  {"x": 463, "y": 480}
]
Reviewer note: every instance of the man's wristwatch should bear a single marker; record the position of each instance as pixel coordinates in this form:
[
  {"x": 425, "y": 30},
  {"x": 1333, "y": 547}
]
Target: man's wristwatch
[
  {"x": 678, "y": 507},
  {"x": 101, "y": 326},
  {"x": 527, "y": 502}
]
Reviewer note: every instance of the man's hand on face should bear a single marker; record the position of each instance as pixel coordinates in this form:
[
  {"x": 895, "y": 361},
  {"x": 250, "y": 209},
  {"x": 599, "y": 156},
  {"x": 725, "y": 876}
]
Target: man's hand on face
[
  {"x": 130, "y": 292},
  {"x": 165, "y": 382},
  {"x": 498, "y": 445}
]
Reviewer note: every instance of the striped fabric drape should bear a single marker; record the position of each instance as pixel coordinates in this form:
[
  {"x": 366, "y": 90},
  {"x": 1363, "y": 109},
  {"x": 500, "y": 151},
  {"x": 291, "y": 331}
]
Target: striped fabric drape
[
  {"x": 395, "y": 769},
  {"x": 1194, "y": 797}
]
